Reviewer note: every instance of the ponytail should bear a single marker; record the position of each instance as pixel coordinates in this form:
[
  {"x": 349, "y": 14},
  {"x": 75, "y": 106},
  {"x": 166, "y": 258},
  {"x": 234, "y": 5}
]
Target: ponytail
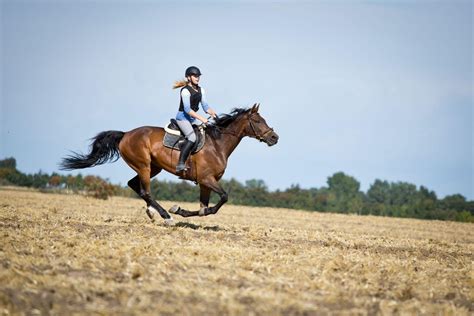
[{"x": 180, "y": 83}]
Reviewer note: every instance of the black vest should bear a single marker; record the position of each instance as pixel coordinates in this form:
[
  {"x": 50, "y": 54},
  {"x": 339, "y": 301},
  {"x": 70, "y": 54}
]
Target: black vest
[{"x": 195, "y": 98}]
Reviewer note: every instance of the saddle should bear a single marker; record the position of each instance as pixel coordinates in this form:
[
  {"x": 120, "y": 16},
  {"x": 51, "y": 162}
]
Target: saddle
[{"x": 174, "y": 138}]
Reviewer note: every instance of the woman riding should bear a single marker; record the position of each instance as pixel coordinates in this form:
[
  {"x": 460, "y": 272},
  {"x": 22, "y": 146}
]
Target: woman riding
[{"x": 191, "y": 95}]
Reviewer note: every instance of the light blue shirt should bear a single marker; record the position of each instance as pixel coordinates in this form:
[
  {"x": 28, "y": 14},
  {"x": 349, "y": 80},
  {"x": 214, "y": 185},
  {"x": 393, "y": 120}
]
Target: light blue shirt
[{"x": 186, "y": 96}]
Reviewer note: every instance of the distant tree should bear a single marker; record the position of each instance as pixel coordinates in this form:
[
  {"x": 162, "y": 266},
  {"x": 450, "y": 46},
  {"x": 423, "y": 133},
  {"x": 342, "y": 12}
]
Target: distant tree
[
  {"x": 8, "y": 163},
  {"x": 256, "y": 184},
  {"x": 54, "y": 180},
  {"x": 323, "y": 199},
  {"x": 379, "y": 192},
  {"x": 348, "y": 198},
  {"x": 98, "y": 187},
  {"x": 76, "y": 182},
  {"x": 465, "y": 216},
  {"x": 425, "y": 203},
  {"x": 343, "y": 194},
  {"x": 39, "y": 180},
  {"x": 454, "y": 202},
  {"x": 378, "y": 198},
  {"x": 402, "y": 193},
  {"x": 7, "y": 175},
  {"x": 343, "y": 184}
]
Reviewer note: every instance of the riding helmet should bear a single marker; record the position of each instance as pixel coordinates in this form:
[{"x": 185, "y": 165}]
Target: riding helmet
[{"x": 193, "y": 70}]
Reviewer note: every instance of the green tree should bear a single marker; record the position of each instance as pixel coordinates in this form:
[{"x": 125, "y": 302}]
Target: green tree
[
  {"x": 379, "y": 192},
  {"x": 8, "y": 163},
  {"x": 454, "y": 202},
  {"x": 348, "y": 198}
]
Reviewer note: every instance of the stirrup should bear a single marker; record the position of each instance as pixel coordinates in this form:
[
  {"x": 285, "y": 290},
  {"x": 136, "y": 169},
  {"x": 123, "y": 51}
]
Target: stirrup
[{"x": 181, "y": 170}]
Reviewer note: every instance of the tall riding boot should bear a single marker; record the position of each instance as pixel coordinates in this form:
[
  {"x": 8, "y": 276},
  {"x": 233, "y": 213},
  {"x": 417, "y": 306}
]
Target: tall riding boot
[{"x": 183, "y": 156}]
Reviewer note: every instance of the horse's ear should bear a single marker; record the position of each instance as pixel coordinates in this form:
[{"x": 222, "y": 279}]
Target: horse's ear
[
  {"x": 254, "y": 108},
  {"x": 258, "y": 106}
]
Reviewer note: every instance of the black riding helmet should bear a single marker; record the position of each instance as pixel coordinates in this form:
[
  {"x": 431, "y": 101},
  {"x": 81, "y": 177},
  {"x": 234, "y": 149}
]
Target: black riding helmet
[{"x": 193, "y": 70}]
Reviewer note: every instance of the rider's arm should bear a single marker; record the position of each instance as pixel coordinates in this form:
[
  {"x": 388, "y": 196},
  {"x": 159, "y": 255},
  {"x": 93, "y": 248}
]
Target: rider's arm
[
  {"x": 204, "y": 104},
  {"x": 186, "y": 96},
  {"x": 197, "y": 116}
]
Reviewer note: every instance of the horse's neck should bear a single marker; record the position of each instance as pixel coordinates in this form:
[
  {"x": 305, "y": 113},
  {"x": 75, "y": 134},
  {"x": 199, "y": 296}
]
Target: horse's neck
[
  {"x": 229, "y": 140},
  {"x": 229, "y": 143}
]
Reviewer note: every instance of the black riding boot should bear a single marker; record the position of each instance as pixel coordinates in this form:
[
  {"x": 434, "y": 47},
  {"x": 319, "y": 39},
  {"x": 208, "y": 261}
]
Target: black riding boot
[{"x": 183, "y": 156}]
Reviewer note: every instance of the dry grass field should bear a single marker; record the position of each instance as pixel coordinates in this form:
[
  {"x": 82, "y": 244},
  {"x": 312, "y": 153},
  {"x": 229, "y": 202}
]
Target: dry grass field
[{"x": 69, "y": 254}]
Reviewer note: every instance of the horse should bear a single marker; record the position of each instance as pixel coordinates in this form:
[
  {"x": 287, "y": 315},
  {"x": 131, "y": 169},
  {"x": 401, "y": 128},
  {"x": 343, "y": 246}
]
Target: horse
[{"x": 143, "y": 150}]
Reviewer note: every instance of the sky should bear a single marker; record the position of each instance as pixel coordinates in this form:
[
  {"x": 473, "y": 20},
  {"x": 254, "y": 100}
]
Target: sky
[{"x": 375, "y": 89}]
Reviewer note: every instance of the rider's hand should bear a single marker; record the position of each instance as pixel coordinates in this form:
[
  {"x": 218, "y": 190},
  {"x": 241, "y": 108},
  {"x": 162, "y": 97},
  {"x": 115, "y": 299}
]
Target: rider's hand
[
  {"x": 204, "y": 120},
  {"x": 212, "y": 113}
]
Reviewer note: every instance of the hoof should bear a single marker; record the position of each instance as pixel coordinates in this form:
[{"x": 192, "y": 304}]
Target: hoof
[
  {"x": 174, "y": 209},
  {"x": 169, "y": 222},
  {"x": 150, "y": 212},
  {"x": 202, "y": 211}
]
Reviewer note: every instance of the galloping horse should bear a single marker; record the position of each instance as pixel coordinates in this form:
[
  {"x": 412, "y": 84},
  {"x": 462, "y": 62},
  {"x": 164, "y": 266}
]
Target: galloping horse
[{"x": 143, "y": 150}]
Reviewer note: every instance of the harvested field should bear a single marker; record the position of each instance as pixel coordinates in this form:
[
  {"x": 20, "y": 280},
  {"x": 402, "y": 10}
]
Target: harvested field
[{"x": 69, "y": 254}]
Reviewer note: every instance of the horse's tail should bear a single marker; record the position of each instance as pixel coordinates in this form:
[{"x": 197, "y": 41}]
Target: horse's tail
[{"x": 104, "y": 149}]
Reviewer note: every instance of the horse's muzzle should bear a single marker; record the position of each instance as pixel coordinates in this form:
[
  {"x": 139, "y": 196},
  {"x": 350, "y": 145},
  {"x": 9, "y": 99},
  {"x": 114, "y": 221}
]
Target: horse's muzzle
[{"x": 272, "y": 139}]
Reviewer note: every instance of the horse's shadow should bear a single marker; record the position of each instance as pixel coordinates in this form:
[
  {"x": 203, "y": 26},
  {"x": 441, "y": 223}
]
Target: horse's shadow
[{"x": 194, "y": 226}]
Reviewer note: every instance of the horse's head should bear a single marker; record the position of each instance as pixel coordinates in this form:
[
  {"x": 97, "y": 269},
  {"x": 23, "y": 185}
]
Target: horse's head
[{"x": 257, "y": 127}]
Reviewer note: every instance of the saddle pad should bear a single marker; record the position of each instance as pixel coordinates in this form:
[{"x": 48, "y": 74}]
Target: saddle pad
[
  {"x": 175, "y": 141},
  {"x": 172, "y": 131}
]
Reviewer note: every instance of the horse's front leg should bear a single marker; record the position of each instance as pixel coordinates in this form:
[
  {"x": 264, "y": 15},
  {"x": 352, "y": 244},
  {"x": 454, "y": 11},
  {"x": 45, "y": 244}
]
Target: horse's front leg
[
  {"x": 175, "y": 209},
  {"x": 212, "y": 184},
  {"x": 204, "y": 198},
  {"x": 204, "y": 203}
]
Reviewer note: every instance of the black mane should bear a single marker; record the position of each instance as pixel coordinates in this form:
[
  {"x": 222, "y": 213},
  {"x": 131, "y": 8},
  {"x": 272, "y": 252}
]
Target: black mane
[{"x": 224, "y": 120}]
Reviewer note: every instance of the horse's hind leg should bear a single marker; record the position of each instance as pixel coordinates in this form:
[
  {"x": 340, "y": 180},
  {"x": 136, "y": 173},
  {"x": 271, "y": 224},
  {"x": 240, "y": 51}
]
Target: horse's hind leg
[
  {"x": 134, "y": 184},
  {"x": 141, "y": 185}
]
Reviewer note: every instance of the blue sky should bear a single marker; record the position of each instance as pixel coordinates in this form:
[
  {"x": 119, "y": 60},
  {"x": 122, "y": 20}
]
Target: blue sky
[{"x": 378, "y": 90}]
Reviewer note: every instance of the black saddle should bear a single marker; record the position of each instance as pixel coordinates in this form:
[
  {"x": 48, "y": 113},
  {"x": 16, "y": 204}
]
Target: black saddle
[
  {"x": 174, "y": 138},
  {"x": 174, "y": 125}
]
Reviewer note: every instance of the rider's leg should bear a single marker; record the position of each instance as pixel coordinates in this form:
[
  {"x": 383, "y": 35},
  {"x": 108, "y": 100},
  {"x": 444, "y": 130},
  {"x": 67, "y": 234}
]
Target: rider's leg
[{"x": 188, "y": 131}]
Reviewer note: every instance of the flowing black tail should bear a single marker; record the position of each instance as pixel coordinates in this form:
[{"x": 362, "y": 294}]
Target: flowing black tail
[{"x": 104, "y": 149}]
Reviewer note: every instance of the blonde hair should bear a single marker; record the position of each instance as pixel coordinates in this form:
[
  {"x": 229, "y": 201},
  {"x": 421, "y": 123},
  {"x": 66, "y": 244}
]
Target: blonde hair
[{"x": 180, "y": 83}]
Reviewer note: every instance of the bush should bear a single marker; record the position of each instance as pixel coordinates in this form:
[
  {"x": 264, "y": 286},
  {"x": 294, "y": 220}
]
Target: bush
[
  {"x": 98, "y": 187},
  {"x": 465, "y": 216}
]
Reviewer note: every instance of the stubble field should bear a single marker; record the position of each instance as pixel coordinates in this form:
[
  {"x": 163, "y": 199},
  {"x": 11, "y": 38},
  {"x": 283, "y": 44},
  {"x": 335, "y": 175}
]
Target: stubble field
[{"x": 69, "y": 254}]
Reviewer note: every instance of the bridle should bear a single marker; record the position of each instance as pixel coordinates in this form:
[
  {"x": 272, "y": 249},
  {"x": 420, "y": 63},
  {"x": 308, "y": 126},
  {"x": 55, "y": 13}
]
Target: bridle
[{"x": 262, "y": 137}]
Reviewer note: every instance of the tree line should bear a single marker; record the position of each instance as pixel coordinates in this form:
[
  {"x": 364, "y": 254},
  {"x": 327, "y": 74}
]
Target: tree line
[{"x": 341, "y": 195}]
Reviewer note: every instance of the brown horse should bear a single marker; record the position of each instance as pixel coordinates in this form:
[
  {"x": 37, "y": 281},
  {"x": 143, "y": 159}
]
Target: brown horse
[{"x": 143, "y": 150}]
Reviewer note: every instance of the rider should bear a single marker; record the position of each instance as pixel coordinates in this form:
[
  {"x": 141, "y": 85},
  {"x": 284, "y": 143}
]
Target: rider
[{"x": 191, "y": 95}]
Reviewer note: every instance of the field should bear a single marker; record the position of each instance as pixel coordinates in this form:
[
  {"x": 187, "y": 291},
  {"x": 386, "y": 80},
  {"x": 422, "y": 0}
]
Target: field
[{"x": 69, "y": 254}]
